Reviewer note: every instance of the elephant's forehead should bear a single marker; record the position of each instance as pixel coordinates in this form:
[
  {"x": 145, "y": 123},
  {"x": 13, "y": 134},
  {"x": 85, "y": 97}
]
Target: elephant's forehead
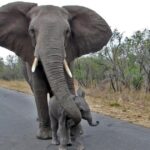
[{"x": 51, "y": 10}]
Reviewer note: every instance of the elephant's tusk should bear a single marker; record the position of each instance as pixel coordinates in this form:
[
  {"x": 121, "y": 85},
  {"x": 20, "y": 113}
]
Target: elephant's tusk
[
  {"x": 48, "y": 98},
  {"x": 35, "y": 63},
  {"x": 67, "y": 68}
]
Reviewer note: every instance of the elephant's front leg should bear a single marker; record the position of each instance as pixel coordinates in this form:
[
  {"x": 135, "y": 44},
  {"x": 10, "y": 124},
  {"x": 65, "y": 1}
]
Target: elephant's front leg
[
  {"x": 77, "y": 139},
  {"x": 40, "y": 90},
  {"x": 54, "y": 126},
  {"x": 63, "y": 132}
]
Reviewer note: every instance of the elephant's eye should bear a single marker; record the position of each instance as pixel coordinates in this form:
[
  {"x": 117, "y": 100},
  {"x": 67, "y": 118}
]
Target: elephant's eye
[
  {"x": 68, "y": 32},
  {"x": 81, "y": 110},
  {"x": 32, "y": 32}
]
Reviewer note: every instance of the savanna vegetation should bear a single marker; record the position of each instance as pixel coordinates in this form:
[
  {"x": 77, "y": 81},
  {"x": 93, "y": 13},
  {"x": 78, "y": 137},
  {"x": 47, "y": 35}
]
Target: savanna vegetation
[
  {"x": 116, "y": 79},
  {"x": 11, "y": 69},
  {"x": 123, "y": 63}
]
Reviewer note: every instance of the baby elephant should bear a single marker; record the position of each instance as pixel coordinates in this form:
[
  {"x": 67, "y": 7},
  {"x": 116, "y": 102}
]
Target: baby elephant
[{"x": 62, "y": 123}]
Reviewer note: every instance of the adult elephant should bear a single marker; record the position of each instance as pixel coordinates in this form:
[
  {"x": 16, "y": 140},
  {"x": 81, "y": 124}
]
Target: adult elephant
[{"x": 51, "y": 36}]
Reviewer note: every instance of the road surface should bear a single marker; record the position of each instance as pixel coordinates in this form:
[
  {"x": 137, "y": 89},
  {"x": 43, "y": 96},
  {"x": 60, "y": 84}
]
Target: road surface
[{"x": 18, "y": 127}]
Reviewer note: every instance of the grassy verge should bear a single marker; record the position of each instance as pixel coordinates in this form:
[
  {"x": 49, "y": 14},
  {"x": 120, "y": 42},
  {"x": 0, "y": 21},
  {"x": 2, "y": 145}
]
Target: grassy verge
[
  {"x": 130, "y": 106},
  {"x": 20, "y": 86}
]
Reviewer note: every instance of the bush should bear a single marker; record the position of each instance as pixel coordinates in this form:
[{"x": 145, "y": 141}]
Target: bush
[{"x": 137, "y": 82}]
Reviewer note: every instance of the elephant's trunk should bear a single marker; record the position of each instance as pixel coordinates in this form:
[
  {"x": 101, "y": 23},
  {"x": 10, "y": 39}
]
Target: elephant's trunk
[
  {"x": 91, "y": 122},
  {"x": 52, "y": 61},
  {"x": 94, "y": 124}
]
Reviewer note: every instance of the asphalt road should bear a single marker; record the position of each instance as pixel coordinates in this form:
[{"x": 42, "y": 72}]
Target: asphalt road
[{"x": 18, "y": 127}]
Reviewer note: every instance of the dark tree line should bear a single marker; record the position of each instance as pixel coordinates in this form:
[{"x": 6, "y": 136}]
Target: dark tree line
[{"x": 124, "y": 63}]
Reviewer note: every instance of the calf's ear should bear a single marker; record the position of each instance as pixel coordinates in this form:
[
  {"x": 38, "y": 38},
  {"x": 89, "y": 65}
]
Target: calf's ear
[{"x": 80, "y": 92}]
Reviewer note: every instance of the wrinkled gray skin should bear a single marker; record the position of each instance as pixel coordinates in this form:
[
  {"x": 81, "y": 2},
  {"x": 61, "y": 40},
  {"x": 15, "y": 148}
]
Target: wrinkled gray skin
[
  {"x": 61, "y": 122},
  {"x": 49, "y": 32}
]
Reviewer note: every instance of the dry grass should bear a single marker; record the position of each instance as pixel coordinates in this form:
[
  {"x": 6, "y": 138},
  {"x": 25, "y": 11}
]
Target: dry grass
[
  {"x": 20, "y": 86},
  {"x": 130, "y": 106}
]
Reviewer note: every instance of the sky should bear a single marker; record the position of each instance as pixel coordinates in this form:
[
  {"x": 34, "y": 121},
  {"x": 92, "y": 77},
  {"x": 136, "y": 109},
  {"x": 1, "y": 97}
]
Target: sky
[{"x": 127, "y": 16}]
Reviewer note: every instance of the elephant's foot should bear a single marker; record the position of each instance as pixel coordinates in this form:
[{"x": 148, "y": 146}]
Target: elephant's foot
[
  {"x": 44, "y": 133},
  {"x": 69, "y": 143},
  {"x": 81, "y": 147},
  {"x": 55, "y": 142},
  {"x": 62, "y": 147}
]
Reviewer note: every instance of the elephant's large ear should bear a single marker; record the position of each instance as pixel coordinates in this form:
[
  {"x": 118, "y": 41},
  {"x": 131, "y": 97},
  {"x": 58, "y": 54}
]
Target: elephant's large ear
[
  {"x": 90, "y": 32},
  {"x": 14, "y": 29}
]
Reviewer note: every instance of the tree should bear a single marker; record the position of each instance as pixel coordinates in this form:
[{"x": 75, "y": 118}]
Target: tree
[
  {"x": 12, "y": 69},
  {"x": 125, "y": 61},
  {"x": 1, "y": 65},
  {"x": 141, "y": 47}
]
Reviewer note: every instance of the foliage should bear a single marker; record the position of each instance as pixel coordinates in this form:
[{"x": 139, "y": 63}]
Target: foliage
[
  {"x": 11, "y": 70},
  {"x": 124, "y": 62},
  {"x": 137, "y": 82}
]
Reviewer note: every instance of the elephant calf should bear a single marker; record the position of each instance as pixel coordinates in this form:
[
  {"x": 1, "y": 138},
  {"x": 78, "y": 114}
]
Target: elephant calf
[{"x": 60, "y": 120}]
